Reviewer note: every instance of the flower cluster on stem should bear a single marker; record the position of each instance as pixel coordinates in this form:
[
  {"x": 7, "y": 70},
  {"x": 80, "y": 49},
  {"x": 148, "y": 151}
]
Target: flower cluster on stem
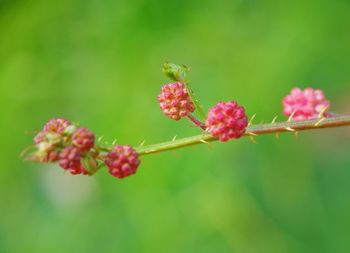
[{"x": 75, "y": 148}]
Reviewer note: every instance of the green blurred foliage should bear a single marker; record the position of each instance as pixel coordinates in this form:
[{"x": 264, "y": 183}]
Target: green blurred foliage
[{"x": 99, "y": 63}]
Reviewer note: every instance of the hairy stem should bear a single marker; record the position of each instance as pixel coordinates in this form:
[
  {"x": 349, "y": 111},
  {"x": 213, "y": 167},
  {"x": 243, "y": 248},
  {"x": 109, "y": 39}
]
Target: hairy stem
[{"x": 253, "y": 130}]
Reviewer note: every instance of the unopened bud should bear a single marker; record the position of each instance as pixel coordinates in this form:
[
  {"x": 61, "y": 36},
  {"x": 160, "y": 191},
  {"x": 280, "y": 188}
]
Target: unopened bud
[{"x": 175, "y": 72}]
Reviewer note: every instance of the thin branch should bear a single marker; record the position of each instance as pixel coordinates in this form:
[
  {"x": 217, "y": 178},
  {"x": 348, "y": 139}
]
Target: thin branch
[
  {"x": 195, "y": 101},
  {"x": 252, "y": 130}
]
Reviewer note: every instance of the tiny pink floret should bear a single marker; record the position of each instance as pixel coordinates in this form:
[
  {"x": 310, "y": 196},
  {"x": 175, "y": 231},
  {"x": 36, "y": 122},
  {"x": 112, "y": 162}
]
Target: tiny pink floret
[
  {"x": 122, "y": 161},
  {"x": 226, "y": 121},
  {"x": 305, "y": 104},
  {"x": 174, "y": 101},
  {"x": 54, "y": 126},
  {"x": 69, "y": 158},
  {"x": 83, "y": 139}
]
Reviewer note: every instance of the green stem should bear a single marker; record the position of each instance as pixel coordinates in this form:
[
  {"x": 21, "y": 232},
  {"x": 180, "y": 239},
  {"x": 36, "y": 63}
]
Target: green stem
[
  {"x": 253, "y": 130},
  {"x": 196, "y": 103}
]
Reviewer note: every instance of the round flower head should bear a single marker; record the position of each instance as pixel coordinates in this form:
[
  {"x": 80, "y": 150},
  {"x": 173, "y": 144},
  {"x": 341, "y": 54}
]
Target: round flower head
[
  {"x": 174, "y": 101},
  {"x": 304, "y": 104},
  {"x": 226, "y": 121},
  {"x": 54, "y": 126},
  {"x": 83, "y": 139},
  {"x": 122, "y": 161},
  {"x": 69, "y": 158}
]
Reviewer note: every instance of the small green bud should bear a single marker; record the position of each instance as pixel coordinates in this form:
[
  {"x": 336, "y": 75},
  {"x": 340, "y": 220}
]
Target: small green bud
[
  {"x": 175, "y": 72},
  {"x": 69, "y": 130},
  {"x": 45, "y": 153},
  {"x": 89, "y": 163},
  {"x": 43, "y": 146},
  {"x": 53, "y": 138}
]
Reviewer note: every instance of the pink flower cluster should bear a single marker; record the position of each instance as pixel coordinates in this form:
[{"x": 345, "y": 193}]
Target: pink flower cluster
[
  {"x": 174, "y": 101},
  {"x": 69, "y": 159},
  {"x": 74, "y": 150},
  {"x": 305, "y": 104},
  {"x": 56, "y": 126},
  {"x": 122, "y": 161},
  {"x": 228, "y": 120},
  {"x": 61, "y": 141},
  {"x": 224, "y": 121}
]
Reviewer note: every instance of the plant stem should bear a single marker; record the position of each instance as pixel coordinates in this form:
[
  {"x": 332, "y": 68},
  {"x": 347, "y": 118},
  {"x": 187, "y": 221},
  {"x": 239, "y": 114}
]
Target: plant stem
[
  {"x": 253, "y": 130},
  {"x": 195, "y": 101},
  {"x": 197, "y": 122}
]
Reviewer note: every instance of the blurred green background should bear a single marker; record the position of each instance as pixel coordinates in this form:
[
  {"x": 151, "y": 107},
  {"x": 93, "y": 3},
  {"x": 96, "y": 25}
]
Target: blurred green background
[{"x": 98, "y": 63}]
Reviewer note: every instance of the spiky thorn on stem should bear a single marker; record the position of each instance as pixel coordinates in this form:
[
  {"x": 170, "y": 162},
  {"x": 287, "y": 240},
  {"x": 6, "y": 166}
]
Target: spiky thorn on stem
[
  {"x": 206, "y": 142},
  {"x": 251, "y": 138},
  {"x": 274, "y": 119},
  {"x": 296, "y": 135},
  {"x": 291, "y": 116},
  {"x": 320, "y": 121},
  {"x": 323, "y": 111},
  {"x": 321, "y": 115},
  {"x": 277, "y": 136},
  {"x": 251, "y": 119},
  {"x": 290, "y": 129},
  {"x": 273, "y": 122}
]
